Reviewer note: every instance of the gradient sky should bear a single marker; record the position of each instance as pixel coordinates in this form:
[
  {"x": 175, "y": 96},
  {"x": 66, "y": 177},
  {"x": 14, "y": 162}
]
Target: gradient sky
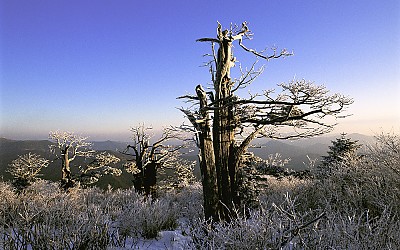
[{"x": 100, "y": 67}]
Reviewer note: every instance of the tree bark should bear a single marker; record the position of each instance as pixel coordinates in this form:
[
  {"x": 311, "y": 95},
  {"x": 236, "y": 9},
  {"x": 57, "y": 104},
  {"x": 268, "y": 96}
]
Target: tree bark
[
  {"x": 66, "y": 177},
  {"x": 207, "y": 160},
  {"x": 150, "y": 179},
  {"x": 224, "y": 130},
  {"x": 138, "y": 178}
]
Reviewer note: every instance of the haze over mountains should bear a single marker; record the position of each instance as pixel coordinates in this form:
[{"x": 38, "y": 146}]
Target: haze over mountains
[{"x": 297, "y": 151}]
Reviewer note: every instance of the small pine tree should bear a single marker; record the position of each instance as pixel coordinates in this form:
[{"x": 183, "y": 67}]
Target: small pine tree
[{"x": 342, "y": 150}]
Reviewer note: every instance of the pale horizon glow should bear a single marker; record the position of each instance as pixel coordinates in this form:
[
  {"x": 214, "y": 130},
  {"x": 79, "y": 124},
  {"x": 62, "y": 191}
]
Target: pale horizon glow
[{"x": 99, "y": 68}]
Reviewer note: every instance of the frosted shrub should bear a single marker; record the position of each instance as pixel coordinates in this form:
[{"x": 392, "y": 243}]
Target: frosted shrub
[
  {"x": 188, "y": 201},
  {"x": 279, "y": 226},
  {"x": 284, "y": 226},
  {"x": 145, "y": 217},
  {"x": 239, "y": 234},
  {"x": 278, "y": 187},
  {"x": 7, "y": 201},
  {"x": 355, "y": 206},
  {"x": 157, "y": 215},
  {"x": 386, "y": 152},
  {"x": 350, "y": 230},
  {"x": 53, "y": 220},
  {"x": 362, "y": 185},
  {"x": 44, "y": 217},
  {"x": 361, "y": 197},
  {"x": 43, "y": 189}
]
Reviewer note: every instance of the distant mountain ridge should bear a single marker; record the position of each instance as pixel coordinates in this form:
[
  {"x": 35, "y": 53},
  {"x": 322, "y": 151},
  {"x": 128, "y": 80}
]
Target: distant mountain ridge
[
  {"x": 297, "y": 151},
  {"x": 300, "y": 150},
  {"x": 109, "y": 145}
]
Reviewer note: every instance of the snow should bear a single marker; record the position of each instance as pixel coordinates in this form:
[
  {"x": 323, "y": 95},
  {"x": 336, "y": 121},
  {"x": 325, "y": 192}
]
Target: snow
[{"x": 171, "y": 240}]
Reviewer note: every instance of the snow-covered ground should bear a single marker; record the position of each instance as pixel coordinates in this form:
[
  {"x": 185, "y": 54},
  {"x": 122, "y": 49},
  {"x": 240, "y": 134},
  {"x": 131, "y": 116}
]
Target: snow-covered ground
[{"x": 171, "y": 240}]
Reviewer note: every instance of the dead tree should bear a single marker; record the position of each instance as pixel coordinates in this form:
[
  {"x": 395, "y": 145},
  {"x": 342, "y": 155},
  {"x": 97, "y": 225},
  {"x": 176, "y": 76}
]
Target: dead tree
[
  {"x": 148, "y": 156},
  {"x": 68, "y": 146},
  {"x": 225, "y": 124}
]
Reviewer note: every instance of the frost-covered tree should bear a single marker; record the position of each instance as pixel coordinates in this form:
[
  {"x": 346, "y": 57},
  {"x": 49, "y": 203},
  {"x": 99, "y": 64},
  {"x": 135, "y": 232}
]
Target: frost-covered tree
[
  {"x": 178, "y": 172},
  {"x": 341, "y": 150},
  {"x": 100, "y": 164},
  {"x": 387, "y": 151},
  {"x": 148, "y": 155},
  {"x": 68, "y": 146},
  {"x": 25, "y": 169},
  {"x": 225, "y": 124}
]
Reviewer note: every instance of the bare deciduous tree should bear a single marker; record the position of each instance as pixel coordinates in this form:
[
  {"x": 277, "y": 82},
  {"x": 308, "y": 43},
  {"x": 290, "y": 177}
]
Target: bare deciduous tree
[
  {"x": 148, "y": 156},
  {"x": 26, "y": 168},
  {"x": 68, "y": 146},
  {"x": 100, "y": 165},
  {"x": 225, "y": 124},
  {"x": 178, "y": 172}
]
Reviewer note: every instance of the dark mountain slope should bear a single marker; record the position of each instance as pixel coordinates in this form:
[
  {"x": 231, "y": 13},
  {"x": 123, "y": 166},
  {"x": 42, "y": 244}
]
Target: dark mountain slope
[
  {"x": 11, "y": 149},
  {"x": 297, "y": 151}
]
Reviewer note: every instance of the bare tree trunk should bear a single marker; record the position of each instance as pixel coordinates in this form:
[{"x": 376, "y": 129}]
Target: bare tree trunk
[
  {"x": 66, "y": 171},
  {"x": 207, "y": 160},
  {"x": 224, "y": 130},
  {"x": 138, "y": 178},
  {"x": 150, "y": 179},
  {"x": 209, "y": 179},
  {"x": 66, "y": 178},
  {"x": 145, "y": 182}
]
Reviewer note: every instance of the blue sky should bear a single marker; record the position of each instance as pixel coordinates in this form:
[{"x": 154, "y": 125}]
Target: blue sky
[{"x": 100, "y": 67}]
